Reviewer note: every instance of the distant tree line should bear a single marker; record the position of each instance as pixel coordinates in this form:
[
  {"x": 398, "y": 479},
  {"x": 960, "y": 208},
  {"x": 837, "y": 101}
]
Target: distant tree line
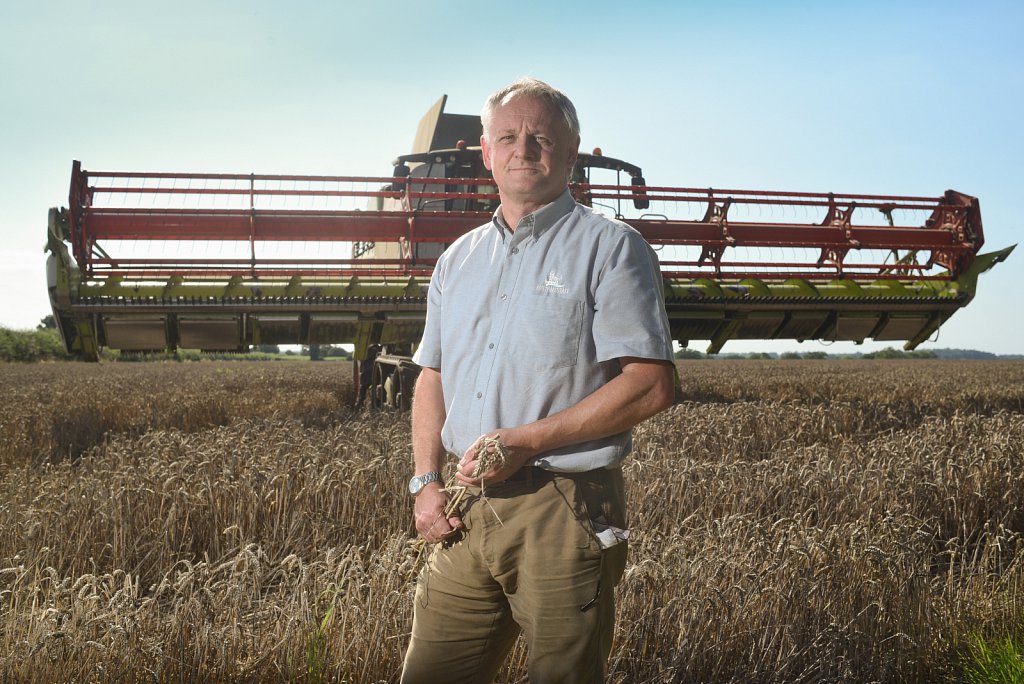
[
  {"x": 887, "y": 353},
  {"x": 41, "y": 344},
  {"x": 890, "y": 353}
]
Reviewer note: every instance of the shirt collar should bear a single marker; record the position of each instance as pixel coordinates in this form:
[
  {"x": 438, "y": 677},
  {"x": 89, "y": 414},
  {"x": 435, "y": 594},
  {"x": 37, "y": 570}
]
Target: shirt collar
[{"x": 542, "y": 218}]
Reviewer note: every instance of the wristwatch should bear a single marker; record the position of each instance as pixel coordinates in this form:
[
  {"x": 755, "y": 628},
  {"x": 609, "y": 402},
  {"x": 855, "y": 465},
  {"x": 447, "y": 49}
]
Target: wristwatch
[{"x": 420, "y": 481}]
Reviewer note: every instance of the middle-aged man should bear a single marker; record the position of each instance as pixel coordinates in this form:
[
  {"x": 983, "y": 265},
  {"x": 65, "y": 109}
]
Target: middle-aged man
[{"x": 546, "y": 340}]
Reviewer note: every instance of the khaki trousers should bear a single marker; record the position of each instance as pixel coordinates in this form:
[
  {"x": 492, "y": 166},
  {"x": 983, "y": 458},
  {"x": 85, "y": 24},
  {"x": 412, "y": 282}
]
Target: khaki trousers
[{"x": 528, "y": 561}]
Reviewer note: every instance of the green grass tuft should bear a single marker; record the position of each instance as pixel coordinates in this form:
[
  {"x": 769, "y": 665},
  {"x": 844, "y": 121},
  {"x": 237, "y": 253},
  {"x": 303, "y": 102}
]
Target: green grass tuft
[{"x": 992, "y": 661}]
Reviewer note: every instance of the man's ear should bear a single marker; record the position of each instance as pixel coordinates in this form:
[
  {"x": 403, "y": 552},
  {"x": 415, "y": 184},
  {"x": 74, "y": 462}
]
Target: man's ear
[
  {"x": 485, "y": 152},
  {"x": 574, "y": 154}
]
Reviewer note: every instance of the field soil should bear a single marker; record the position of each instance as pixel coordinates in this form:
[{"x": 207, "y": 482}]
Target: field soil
[{"x": 792, "y": 521}]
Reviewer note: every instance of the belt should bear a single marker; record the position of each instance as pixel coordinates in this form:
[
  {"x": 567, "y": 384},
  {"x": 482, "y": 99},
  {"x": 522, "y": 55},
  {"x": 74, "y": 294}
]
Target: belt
[{"x": 531, "y": 474}]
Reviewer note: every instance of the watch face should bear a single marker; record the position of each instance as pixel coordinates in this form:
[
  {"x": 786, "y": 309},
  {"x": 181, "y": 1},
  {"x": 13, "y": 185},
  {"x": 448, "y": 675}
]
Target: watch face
[{"x": 420, "y": 481}]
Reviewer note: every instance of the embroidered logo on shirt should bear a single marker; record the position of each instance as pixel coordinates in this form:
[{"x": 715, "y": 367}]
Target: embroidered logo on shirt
[{"x": 553, "y": 284}]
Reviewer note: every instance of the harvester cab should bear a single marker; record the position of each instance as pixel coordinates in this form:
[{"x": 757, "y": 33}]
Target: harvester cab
[{"x": 143, "y": 262}]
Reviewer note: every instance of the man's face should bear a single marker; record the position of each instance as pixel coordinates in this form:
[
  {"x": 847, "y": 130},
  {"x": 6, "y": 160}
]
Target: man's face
[{"x": 529, "y": 150}]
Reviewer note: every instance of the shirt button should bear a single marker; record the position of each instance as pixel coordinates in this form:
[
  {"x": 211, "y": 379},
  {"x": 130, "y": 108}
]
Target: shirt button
[
  {"x": 504, "y": 297},
  {"x": 515, "y": 250},
  {"x": 479, "y": 395},
  {"x": 490, "y": 346}
]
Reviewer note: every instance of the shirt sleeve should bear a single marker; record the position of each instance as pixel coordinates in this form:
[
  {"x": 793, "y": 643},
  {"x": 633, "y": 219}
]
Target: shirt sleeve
[
  {"x": 629, "y": 303},
  {"x": 428, "y": 352}
]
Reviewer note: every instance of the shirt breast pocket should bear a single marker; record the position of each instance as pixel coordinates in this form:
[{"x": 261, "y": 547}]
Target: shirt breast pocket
[{"x": 546, "y": 333}]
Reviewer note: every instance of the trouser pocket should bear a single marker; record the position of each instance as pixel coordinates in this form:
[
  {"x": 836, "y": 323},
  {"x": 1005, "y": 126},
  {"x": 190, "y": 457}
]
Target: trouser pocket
[{"x": 601, "y": 506}]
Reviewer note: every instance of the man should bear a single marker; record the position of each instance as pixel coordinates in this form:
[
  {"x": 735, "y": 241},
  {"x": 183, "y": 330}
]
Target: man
[{"x": 546, "y": 339}]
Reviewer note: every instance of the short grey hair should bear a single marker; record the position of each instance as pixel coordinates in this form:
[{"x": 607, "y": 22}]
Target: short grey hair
[{"x": 532, "y": 87}]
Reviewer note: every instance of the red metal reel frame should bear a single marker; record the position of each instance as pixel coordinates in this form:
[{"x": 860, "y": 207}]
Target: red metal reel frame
[{"x": 952, "y": 234}]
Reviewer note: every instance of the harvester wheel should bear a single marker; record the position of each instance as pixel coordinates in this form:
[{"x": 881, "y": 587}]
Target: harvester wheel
[
  {"x": 399, "y": 396},
  {"x": 376, "y": 390},
  {"x": 356, "y": 385}
]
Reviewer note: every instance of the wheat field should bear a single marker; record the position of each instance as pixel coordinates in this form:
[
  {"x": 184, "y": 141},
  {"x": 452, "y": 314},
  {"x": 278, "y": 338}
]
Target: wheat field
[{"x": 792, "y": 521}]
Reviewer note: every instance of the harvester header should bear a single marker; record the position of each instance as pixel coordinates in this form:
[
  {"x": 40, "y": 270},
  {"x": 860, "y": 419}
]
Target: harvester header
[{"x": 158, "y": 261}]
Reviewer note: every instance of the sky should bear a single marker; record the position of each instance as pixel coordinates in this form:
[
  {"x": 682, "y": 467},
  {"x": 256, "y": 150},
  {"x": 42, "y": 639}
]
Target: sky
[{"x": 907, "y": 98}]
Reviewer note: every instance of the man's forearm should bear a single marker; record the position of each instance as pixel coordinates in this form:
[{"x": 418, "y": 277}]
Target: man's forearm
[
  {"x": 428, "y": 415},
  {"x": 642, "y": 389}
]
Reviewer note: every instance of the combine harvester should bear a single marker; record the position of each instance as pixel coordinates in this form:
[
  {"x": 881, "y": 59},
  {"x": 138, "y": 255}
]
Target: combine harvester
[{"x": 146, "y": 262}]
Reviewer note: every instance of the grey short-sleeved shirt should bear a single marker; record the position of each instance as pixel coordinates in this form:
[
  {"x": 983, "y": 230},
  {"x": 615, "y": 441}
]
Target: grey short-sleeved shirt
[{"x": 525, "y": 324}]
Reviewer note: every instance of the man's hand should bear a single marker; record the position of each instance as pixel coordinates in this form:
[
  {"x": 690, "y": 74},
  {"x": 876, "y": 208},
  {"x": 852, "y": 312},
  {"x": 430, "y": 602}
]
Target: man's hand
[
  {"x": 515, "y": 455},
  {"x": 428, "y": 511}
]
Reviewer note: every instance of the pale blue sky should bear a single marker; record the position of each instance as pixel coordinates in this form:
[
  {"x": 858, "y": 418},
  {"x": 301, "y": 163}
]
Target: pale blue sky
[{"x": 871, "y": 97}]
